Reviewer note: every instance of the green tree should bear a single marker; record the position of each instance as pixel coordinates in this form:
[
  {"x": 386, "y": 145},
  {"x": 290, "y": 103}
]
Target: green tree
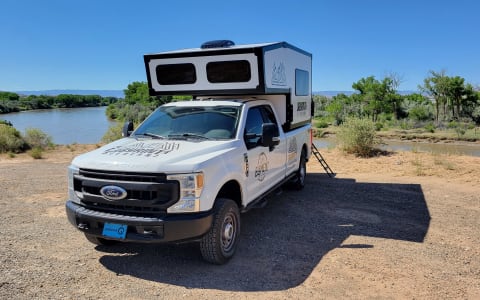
[
  {"x": 418, "y": 107},
  {"x": 377, "y": 97},
  {"x": 436, "y": 86},
  {"x": 453, "y": 97},
  {"x": 138, "y": 104},
  {"x": 9, "y": 96}
]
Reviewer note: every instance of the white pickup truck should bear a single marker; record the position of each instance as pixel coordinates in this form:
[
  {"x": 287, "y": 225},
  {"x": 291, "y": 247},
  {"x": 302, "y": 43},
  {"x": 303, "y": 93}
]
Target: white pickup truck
[{"x": 191, "y": 167}]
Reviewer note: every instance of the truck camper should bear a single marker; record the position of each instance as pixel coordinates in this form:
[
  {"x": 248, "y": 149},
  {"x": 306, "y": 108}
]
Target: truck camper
[{"x": 192, "y": 167}]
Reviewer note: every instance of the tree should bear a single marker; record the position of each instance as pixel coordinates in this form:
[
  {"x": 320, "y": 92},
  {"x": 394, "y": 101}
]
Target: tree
[
  {"x": 418, "y": 107},
  {"x": 9, "y": 96},
  {"x": 455, "y": 98},
  {"x": 455, "y": 93},
  {"x": 436, "y": 86},
  {"x": 378, "y": 97}
]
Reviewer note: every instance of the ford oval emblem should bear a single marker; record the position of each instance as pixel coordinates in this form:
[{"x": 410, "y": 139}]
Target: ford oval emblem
[{"x": 113, "y": 192}]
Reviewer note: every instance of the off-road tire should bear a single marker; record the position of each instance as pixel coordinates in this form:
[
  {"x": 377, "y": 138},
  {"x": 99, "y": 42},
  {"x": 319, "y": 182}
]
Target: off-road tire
[
  {"x": 299, "y": 180},
  {"x": 219, "y": 244}
]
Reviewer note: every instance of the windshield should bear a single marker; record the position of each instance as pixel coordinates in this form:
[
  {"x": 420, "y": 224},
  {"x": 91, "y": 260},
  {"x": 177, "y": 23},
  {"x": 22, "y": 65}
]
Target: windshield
[{"x": 193, "y": 122}]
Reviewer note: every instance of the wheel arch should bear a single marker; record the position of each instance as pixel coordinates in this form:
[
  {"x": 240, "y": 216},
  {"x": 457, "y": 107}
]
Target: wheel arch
[{"x": 231, "y": 190}]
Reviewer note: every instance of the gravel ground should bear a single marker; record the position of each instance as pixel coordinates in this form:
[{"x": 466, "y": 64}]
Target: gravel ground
[{"x": 402, "y": 226}]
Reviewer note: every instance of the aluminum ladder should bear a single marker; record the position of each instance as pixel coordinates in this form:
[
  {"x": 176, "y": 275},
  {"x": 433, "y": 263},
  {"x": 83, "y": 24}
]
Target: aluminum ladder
[{"x": 322, "y": 161}]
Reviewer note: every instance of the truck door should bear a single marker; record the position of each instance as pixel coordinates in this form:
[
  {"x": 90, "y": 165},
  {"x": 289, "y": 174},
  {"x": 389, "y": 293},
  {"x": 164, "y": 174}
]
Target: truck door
[{"x": 266, "y": 167}]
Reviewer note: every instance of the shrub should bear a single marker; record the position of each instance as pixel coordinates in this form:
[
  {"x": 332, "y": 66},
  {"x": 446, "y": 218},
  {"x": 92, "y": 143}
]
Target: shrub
[
  {"x": 113, "y": 133},
  {"x": 36, "y": 138},
  {"x": 320, "y": 123},
  {"x": 11, "y": 140},
  {"x": 430, "y": 127},
  {"x": 420, "y": 113},
  {"x": 36, "y": 152},
  {"x": 358, "y": 136},
  {"x": 5, "y": 122}
]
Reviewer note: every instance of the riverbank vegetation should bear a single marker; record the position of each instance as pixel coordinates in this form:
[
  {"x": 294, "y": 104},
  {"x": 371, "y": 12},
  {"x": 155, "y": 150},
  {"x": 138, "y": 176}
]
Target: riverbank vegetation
[
  {"x": 12, "y": 141},
  {"x": 13, "y": 102},
  {"x": 446, "y": 108}
]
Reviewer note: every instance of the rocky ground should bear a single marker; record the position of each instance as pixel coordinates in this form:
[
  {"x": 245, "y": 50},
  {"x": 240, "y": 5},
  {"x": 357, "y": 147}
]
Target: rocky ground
[{"x": 403, "y": 225}]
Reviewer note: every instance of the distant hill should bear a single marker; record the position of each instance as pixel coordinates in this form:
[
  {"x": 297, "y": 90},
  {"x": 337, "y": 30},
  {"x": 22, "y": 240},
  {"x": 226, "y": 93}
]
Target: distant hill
[
  {"x": 103, "y": 93},
  {"x": 332, "y": 93},
  {"x": 348, "y": 93}
]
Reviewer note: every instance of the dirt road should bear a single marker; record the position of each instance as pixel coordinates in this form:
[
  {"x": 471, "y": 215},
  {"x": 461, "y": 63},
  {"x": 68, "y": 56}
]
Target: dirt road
[{"x": 403, "y": 226}]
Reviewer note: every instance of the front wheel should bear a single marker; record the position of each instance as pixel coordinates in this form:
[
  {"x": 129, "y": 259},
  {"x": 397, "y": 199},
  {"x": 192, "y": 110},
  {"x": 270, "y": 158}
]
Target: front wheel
[
  {"x": 219, "y": 244},
  {"x": 299, "y": 180}
]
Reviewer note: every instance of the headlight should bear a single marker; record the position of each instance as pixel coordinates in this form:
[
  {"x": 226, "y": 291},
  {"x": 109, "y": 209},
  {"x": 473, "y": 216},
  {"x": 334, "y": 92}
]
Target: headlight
[
  {"x": 191, "y": 186},
  {"x": 72, "y": 195}
]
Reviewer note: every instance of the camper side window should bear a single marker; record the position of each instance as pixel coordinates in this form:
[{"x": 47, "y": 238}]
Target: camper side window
[{"x": 302, "y": 80}]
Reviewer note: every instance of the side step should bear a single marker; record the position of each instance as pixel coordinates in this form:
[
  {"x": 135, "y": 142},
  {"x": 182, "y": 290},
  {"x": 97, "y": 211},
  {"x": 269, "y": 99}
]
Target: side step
[{"x": 322, "y": 161}]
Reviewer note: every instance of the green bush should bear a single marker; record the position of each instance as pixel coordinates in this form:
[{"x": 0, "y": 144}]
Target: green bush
[
  {"x": 420, "y": 113},
  {"x": 11, "y": 140},
  {"x": 430, "y": 127},
  {"x": 113, "y": 133},
  {"x": 320, "y": 123},
  {"x": 36, "y": 138},
  {"x": 36, "y": 152},
  {"x": 358, "y": 136}
]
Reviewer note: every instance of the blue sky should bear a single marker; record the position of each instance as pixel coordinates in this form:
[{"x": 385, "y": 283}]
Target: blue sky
[{"x": 99, "y": 44}]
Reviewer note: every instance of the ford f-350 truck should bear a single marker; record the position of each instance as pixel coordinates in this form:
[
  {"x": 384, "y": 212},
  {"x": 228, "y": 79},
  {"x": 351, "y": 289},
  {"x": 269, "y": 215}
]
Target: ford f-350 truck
[{"x": 189, "y": 170}]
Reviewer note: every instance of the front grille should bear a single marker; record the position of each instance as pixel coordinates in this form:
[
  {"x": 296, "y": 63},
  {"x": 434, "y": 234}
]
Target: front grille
[
  {"x": 147, "y": 194},
  {"x": 123, "y": 176}
]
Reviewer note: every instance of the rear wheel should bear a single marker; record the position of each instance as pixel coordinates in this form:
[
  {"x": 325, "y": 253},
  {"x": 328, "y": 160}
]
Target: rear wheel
[
  {"x": 99, "y": 241},
  {"x": 219, "y": 244}
]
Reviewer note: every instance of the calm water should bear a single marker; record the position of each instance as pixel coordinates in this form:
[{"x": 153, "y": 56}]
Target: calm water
[
  {"x": 65, "y": 126},
  {"x": 465, "y": 149}
]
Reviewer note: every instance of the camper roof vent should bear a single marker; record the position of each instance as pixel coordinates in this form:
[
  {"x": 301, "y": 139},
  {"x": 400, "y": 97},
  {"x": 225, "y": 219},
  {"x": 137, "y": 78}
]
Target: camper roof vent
[{"x": 217, "y": 44}]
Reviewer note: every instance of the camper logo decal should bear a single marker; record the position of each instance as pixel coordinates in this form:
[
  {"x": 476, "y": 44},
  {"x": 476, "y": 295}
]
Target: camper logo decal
[
  {"x": 144, "y": 149},
  {"x": 279, "y": 76},
  {"x": 262, "y": 167}
]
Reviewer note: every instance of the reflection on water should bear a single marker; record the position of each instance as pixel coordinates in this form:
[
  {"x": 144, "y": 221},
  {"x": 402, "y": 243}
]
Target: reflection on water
[
  {"x": 441, "y": 148},
  {"x": 65, "y": 126}
]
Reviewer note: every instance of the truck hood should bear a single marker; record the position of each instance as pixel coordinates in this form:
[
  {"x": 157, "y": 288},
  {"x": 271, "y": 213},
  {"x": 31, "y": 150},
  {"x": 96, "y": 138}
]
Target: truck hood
[{"x": 156, "y": 156}]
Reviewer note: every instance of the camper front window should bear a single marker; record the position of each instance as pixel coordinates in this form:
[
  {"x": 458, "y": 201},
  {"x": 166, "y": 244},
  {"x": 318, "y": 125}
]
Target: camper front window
[
  {"x": 228, "y": 71},
  {"x": 176, "y": 74}
]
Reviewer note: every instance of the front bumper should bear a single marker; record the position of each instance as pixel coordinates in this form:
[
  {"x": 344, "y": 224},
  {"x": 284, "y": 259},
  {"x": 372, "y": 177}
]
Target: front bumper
[{"x": 176, "y": 228}]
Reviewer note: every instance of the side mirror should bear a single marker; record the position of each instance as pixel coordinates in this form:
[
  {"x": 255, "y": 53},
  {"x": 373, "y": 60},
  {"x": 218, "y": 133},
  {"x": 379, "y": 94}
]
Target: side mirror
[
  {"x": 270, "y": 135},
  {"x": 127, "y": 129}
]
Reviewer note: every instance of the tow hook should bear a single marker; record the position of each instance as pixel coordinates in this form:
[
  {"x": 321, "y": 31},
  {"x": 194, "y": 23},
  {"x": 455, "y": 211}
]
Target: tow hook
[{"x": 82, "y": 226}]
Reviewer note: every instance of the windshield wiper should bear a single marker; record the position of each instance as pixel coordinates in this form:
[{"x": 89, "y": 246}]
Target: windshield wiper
[
  {"x": 188, "y": 135},
  {"x": 152, "y": 135}
]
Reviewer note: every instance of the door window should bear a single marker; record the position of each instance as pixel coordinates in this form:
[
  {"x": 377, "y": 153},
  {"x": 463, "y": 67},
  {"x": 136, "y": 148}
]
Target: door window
[{"x": 257, "y": 116}]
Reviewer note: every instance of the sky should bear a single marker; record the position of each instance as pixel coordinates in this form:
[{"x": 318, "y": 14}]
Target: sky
[{"x": 99, "y": 44}]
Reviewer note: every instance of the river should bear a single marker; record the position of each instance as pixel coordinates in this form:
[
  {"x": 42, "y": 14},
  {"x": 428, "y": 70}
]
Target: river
[
  {"x": 88, "y": 125},
  {"x": 65, "y": 126},
  {"x": 440, "y": 148}
]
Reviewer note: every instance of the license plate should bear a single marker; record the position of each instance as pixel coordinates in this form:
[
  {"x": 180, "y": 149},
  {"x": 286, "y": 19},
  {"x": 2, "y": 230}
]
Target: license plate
[{"x": 118, "y": 231}]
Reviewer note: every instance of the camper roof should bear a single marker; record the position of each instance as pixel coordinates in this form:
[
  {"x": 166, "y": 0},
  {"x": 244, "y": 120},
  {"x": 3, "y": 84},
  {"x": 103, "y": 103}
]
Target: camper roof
[{"x": 232, "y": 48}]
